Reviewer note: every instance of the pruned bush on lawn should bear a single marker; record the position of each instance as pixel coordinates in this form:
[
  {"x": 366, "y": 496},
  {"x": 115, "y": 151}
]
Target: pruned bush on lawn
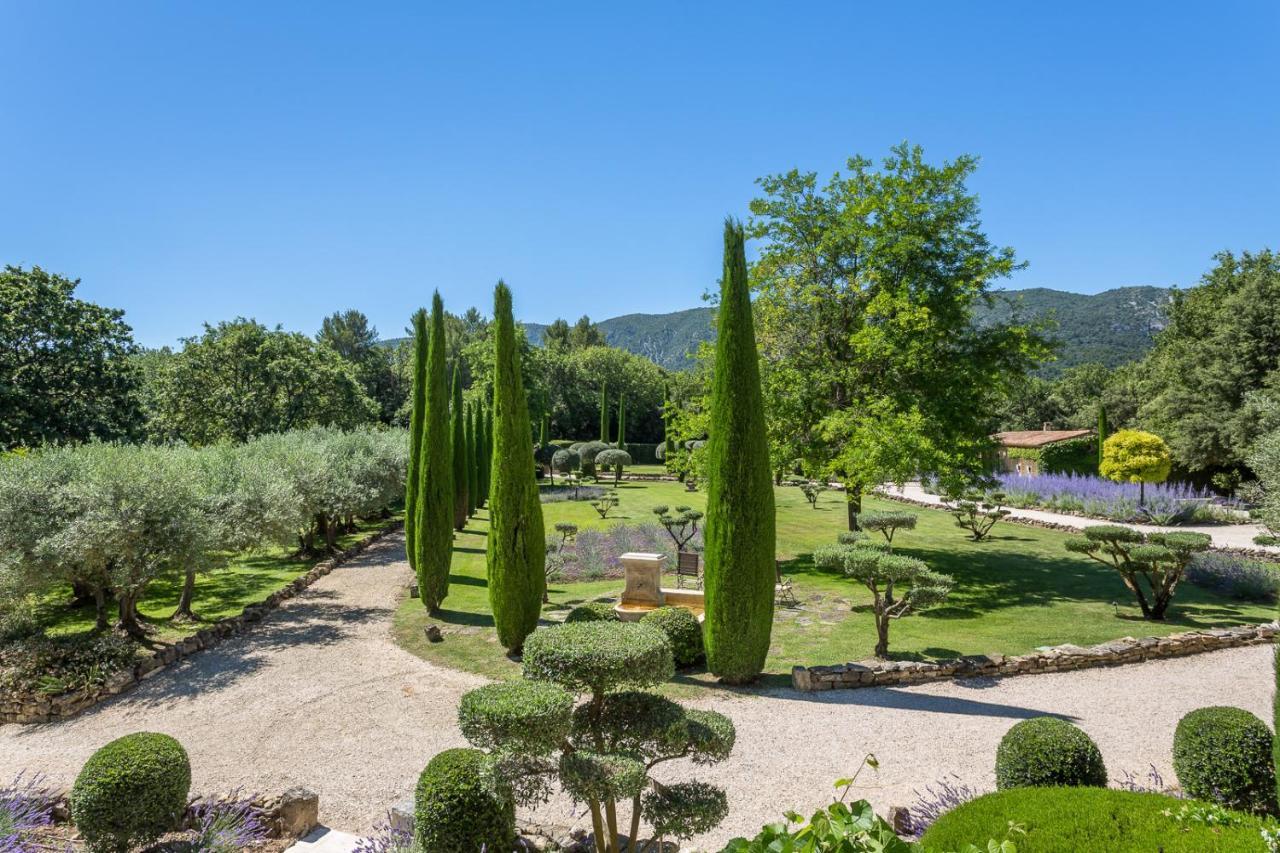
[
  {"x": 1224, "y": 754},
  {"x": 1150, "y": 564},
  {"x": 977, "y": 512},
  {"x": 1046, "y": 751},
  {"x": 130, "y": 792}
]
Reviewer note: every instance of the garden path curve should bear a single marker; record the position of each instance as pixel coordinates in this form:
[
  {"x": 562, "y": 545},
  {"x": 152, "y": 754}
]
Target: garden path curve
[
  {"x": 1238, "y": 536},
  {"x": 319, "y": 695}
]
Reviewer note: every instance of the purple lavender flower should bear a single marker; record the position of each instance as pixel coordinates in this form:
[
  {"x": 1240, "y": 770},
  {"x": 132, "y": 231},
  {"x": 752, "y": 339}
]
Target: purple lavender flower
[
  {"x": 228, "y": 825},
  {"x": 25, "y": 805},
  {"x": 598, "y": 549},
  {"x": 387, "y": 838},
  {"x": 1166, "y": 503},
  {"x": 936, "y": 800}
]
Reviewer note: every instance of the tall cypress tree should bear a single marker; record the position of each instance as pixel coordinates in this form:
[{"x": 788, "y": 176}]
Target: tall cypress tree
[
  {"x": 740, "y": 526},
  {"x": 488, "y": 450},
  {"x": 433, "y": 541},
  {"x": 669, "y": 446},
  {"x": 517, "y": 547},
  {"x": 604, "y": 415},
  {"x": 473, "y": 479},
  {"x": 1102, "y": 431},
  {"x": 418, "y": 404},
  {"x": 459, "y": 430},
  {"x": 622, "y": 423}
]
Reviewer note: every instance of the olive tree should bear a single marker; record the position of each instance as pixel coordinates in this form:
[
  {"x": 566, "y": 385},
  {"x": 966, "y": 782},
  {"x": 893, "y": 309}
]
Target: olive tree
[
  {"x": 888, "y": 523},
  {"x": 583, "y": 718},
  {"x": 977, "y": 512},
  {"x": 1150, "y": 564},
  {"x": 899, "y": 585},
  {"x": 681, "y": 525}
]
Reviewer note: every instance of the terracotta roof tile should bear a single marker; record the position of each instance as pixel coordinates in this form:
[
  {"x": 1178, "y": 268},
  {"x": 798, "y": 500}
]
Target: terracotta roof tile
[{"x": 1038, "y": 437}]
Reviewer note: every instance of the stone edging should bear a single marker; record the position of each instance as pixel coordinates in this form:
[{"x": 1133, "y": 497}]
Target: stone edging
[
  {"x": 1251, "y": 553},
  {"x": 878, "y": 673},
  {"x": 36, "y": 708},
  {"x": 289, "y": 815}
]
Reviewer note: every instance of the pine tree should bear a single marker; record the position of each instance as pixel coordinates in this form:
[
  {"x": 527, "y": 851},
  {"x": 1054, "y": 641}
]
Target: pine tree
[
  {"x": 740, "y": 525},
  {"x": 433, "y": 541},
  {"x": 473, "y": 456},
  {"x": 517, "y": 548},
  {"x": 419, "y": 402},
  {"x": 604, "y": 415},
  {"x": 458, "y": 430}
]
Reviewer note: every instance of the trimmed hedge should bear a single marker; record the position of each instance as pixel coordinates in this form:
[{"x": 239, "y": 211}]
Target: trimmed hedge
[
  {"x": 459, "y": 809},
  {"x": 1046, "y": 751},
  {"x": 1089, "y": 819},
  {"x": 592, "y": 611},
  {"x": 1224, "y": 754},
  {"x": 131, "y": 791},
  {"x": 683, "y": 631},
  {"x": 596, "y": 657}
]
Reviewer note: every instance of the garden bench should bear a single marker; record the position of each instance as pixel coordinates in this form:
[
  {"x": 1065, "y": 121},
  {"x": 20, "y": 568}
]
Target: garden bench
[{"x": 688, "y": 565}]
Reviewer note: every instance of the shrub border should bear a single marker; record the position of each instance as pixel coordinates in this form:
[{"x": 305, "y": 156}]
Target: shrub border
[{"x": 39, "y": 708}]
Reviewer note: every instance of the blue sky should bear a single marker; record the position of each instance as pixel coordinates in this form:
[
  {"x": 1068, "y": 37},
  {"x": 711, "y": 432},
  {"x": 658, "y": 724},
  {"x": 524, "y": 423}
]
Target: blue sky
[{"x": 199, "y": 161}]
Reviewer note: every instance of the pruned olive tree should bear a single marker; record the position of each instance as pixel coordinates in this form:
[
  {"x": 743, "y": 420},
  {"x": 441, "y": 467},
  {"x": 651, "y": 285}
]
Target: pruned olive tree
[
  {"x": 888, "y": 523},
  {"x": 1150, "y": 564}
]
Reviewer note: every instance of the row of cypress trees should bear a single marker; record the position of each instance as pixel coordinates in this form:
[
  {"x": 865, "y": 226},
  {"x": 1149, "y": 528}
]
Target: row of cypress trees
[{"x": 449, "y": 450}]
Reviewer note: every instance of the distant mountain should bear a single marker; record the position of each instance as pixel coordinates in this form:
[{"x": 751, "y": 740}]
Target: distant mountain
[
  {"x": 1112, "y": 327},
  {"x": 665, "y": 339}
]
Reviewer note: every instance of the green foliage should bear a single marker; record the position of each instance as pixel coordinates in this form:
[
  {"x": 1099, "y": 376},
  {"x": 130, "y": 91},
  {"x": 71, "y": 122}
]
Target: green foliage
[
  {"x": 1089, "y": 819},
  {"x": 460, "y": 807},
  {"x": 65, "y": 363},
  {"x": 1134, "y": 456},
  {"x": 1264, "y": 459},
  {"x": 473, "y": 482},
  {"x": 977, "y": 512},
  {"x": 458, "y": 457},
  {"x": 684, "y": 809},
  {"x": 888, "y": 523},
  {"x": 813, "y": 490},
  {"x": 565, "y": 461},
  {"x": 1151, "y": 565},
  {"x": 530, "y": 717},
  {"x": 615, "y": 459},
  {"x": 240, "y": 379},
  {"x": 683, "y": 631},
  {"x": 1224, "y": 754},
  {"x": 592, "y": 611},
  {"x": 1046, "y": 751},
  {"x": 417, "y": 411},
  {"x": 349, "y": 334},
  {"x": 433, "y": 542},
  {"x": 588, "y": 776},
  {"x": 130, "y": 792},
  {"x": 740, "y": 531},
  {"x": 598, "y": 657},
  {"x": 587, "y": 453},
  {"x": 604, "y": 503},
  {"x": 681, "y": 525}
]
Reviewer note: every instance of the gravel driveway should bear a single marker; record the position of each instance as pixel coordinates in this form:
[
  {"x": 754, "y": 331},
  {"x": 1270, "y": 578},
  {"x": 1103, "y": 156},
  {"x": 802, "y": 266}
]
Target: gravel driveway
[{"x": 319, "y": 695}]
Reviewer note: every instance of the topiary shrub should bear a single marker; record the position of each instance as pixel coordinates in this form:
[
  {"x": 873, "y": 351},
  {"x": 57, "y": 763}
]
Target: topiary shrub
[
  {"x": 130, "y": 792},
  {"x": 592, "y": 611},
  {"x": 683, "y": 631},
  {"x": 587, "y": 453},
  {"x": 615, "y": 459},
  {"x": 459, "y": 807},
  {"x": 565, "y": 461},
  {"x": 1224, "y": 754},
  {"x": 1046, "y": 751},
  {"x": 597, "y": 656}
]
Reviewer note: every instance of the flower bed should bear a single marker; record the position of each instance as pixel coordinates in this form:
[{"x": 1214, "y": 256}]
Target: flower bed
[
  {"x": 1166, "y": 503},
  {"x": 593, "y": 554}
]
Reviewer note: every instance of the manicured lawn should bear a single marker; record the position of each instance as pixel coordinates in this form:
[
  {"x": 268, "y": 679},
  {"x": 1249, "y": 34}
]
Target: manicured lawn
[
  {"x": 1020, "y": 590},
  {"x": 243, "y": 580}
]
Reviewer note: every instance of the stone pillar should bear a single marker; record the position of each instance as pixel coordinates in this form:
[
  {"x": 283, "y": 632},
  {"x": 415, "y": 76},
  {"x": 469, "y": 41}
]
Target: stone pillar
[{"x": 644, "y": 578}]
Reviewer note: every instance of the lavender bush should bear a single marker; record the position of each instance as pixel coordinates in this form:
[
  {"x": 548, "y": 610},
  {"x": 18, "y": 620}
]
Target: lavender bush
[
  {"x": 228, "y": 825},
  {"x": 936, "y": 800},
  {"x": 1167, "y": 503},
  {"x": 556, "y": 494},
  {"x": 387, "y": 838},
  {"x": 1152, "y": 784},
  {"x": 1238, "y": 577},
  {"x": 25, "y": 806},
  {"x": 593, "y": 554}
]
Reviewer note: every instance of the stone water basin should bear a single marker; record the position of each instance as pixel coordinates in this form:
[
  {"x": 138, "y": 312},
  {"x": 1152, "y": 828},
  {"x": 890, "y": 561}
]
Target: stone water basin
[{"x": 644, "y": 592}]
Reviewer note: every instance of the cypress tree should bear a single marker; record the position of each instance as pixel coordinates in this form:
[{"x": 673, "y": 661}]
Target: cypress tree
[
  {"x": 604, "y": 415},
  {"x": 669, "y": 446},
  {"x": 473, "y": 460},
  {"x": 433, "y": 541},
  {"x": 622, "y": 423},
  {"x": 740, "y": 526},
  {"x": 517, "y": 547},
  {"x": 488, "y": 450},
  {"x": 418, "y": 404},
  {"x": 1102, "y": 431},
  {"x": 459, "y": 430}
]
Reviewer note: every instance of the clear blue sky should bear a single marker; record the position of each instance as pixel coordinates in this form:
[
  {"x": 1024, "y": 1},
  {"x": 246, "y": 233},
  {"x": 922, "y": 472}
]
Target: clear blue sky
[{"x": 198, "y": 161}]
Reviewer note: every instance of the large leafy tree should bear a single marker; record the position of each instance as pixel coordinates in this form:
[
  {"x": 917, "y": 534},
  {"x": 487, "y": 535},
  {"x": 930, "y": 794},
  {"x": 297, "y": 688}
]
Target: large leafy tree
[
  {"x": 516, "y": 545},
  {"x": 349, "y": 334},
  {"x": 65, "y": 370},
  {"x": 1218, "y": 356},
  {"x": 740, "y": 530},
  {"x": 874, "y": 368},
  {"x": 240, "y": 379}
]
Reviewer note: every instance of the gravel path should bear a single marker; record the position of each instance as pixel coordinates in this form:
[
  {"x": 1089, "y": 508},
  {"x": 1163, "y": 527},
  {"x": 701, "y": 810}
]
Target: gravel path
[
  {"x": 1223, "y": 535},
  {"x": 319, "y": 695}
]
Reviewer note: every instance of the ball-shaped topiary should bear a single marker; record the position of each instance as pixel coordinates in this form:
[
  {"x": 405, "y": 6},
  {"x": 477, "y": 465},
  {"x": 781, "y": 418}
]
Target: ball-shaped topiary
[
  {"x": 1046, "y": 751},
  {"x": 613, "y": 458},
  {"x": 529, "y": 716},
  {"x": 592, "y": 611},
  {"x": 683, "y": 630},
  {"x": 565, "y": 461},
  {"x": 459, "y": 806},
  {"x": 130, "y": 792},
  {"x": 597, "y": 657},
  {"x": 1224, "y": 754}
]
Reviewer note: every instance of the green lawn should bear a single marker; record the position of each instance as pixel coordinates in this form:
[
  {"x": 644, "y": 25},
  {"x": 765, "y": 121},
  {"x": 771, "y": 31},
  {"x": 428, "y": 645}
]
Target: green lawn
[
  {"x": 1015, "y": 592},
  {"x": 242, "y": 580}
]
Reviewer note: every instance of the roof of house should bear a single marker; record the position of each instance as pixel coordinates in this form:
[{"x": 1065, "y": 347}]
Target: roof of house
[{"x": 1038, "y": 437}]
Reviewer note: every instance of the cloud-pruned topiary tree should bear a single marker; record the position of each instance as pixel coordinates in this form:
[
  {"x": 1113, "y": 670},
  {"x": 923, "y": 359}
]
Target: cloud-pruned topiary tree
[
  {"x": 1150, "y": 564},
  {"x": 458, "y": 430},
  {"x": 517, "y": 548},
  {"x": 888, "y": 523},
  {"x": 1134, "y": 456},
  {"x": 417, "y": 406},
  {"x": 433, "y": 541},
  {"x": 740, "y": 527}
]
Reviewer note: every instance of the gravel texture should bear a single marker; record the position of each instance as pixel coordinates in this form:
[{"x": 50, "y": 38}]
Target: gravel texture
[{"x": 319, "y": 695}]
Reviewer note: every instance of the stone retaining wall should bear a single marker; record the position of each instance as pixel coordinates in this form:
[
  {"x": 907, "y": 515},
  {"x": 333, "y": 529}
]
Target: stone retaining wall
[
  {"x": 878, "y": 673},
  {"x": 38, "y": 708}
]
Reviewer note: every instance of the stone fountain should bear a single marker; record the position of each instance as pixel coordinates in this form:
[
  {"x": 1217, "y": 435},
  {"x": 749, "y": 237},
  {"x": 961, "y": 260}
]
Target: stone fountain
[{"x": 644, "y": 592}]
